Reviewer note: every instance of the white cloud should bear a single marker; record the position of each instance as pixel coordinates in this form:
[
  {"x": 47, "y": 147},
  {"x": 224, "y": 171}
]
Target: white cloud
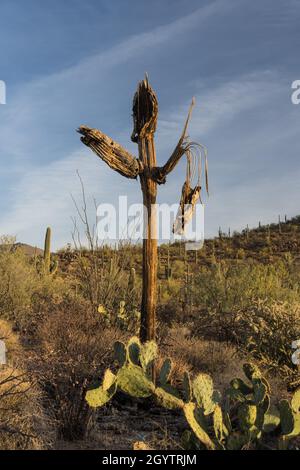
[
  {"x": 40, "y": 120},
  {"x": 38, "y": 140},
  {"x": 218, "y": 105},
  {"x": 43, "y": 197}
]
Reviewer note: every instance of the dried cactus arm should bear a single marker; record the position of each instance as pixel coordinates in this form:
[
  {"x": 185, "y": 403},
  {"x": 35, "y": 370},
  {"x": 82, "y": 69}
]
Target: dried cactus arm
[
  {"x": 111, "y": 152},
  {"x": 183, "y": 146}
]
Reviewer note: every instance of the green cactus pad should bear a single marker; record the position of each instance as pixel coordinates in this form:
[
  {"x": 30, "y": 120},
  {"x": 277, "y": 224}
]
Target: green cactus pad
[
  {"x": 109, "y": 380},
  {"x": 295, "y": 402},
  {"x": 235, "y": 395},
  {"x": 251, "y": 371},
  {"x": 271, "y": 420},
  {"x": 134, "y": 349},
  {"x": 99, "y": 397},
  {"x": 170, "y": 389},
  {"x": 189, "y": 410},
  {"x": 148, "y": 354},
  {"x": 132, "y": 380},
  {"x": 167, "y": 400},
  {"x": 247, "y": 415},
  {"x": 219, "y": 427},
  {"x": 120, "y": 352},
  {"x": 165, "y": 371},
  {"x": 259, "y": 391},
  {"x": 286, "y": 417},
  {"x": 203, "y": 392},
  {"x": 187, "y": 386},
  {"x": 239, "y": 384}
]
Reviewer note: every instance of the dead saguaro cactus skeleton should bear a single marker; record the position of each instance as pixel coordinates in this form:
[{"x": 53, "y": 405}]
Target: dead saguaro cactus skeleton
[{"x": 145, "y": 111}]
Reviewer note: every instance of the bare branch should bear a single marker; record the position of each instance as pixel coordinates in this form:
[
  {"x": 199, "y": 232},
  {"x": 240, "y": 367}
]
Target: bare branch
[{"x": 111, "y": 152}]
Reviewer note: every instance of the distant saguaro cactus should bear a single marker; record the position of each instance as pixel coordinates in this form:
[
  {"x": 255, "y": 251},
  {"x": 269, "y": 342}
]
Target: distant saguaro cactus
[
  {"x": 49, "y": 267},
  {"x": 131, "y": 280},
  {"x": 168, "y": 269},
  {"x": 247, "y": 232},
  {"x": 279, "y": 224},
  {"x": 268, "y": 234},
  {"x": 47, "y": 254}
]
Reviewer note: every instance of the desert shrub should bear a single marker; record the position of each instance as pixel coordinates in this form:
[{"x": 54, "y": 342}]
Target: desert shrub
[
  {"x": 195, "y": 354},
  {"x": 170, "y": 301},
  {"x": 226, "y": 285},
  {"x": 253, "y": 305},
  {"x": 17, "y": 283},
  {"x": 23, "y": 424},
  {"x": 104, "y": 280},
  {"x": 73, "y": 345},
  {"x": 23, "y": 291},
  {"x": 265, "y": 329},
  {"x": 178, "y": 269},
  {"x": 126, "y": 317}
]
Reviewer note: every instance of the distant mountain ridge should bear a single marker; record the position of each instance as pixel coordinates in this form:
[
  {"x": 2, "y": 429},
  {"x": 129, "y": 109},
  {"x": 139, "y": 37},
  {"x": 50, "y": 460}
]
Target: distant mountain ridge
[{"x": 28, "y": 249}]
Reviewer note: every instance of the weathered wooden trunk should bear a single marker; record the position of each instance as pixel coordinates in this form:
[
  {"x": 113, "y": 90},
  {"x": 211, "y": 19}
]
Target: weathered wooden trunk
[
  {"x": 145, "y": 111},
  {"x": 149, "y": 189}
]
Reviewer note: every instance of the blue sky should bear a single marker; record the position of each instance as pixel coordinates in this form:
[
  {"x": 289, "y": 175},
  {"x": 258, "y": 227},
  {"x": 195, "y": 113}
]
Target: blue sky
[{"x": 73, "y": 62}]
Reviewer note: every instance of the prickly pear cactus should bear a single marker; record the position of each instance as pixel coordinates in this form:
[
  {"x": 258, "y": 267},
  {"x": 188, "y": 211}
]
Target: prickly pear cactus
[
  {"x": 132, "y": 380},
  {"x": 196, "y": 426},
  {"x": 243, "y": 419},
  {"x": 165, "y": 371},
  {"x": 134, "y": 350},
  {"x": 187, "y": 387},
  {"x": 203, "y": 390},
  {"x": 148, "y": 354},
  {"x": 247, "y": 415},
  {"x": 103, "y": 394},
  {"x": 120, "y": 352}
]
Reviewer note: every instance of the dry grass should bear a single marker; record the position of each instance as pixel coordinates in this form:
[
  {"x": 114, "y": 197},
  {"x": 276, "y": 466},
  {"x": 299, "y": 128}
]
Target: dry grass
[
  {"x": 23, "y": 424},
  {"x": 195, "y": 355}
]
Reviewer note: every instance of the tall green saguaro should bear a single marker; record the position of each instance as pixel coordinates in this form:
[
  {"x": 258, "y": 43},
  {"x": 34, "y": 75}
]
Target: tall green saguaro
[
  {"x": 47, "y": 252},
  {"x": 48, "y": 266}
]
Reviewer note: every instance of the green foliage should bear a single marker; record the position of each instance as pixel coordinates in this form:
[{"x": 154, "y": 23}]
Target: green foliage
[
  {"x": 229, "y": 284},
  {"x": 254, "y": 305},
  {"x": 245, "y": 418},
  {"x": 23, "y": 292},
  {"x": 125, "y": 319}
]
